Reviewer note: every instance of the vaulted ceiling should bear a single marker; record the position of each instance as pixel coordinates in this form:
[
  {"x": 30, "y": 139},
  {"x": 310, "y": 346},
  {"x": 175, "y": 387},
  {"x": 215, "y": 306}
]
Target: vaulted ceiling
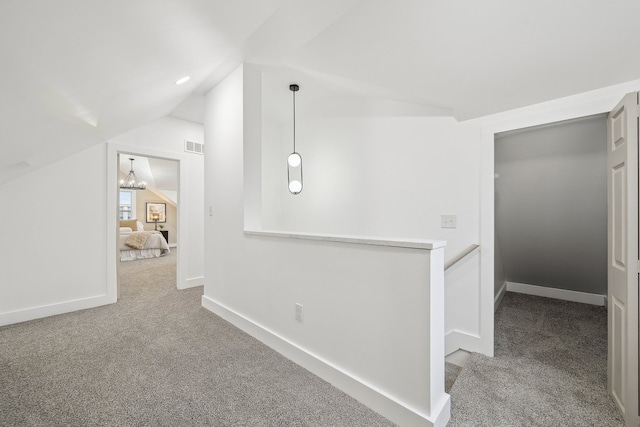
[
  {"x": 160, "y": 175},
  {"x": 77, "y": 72}
]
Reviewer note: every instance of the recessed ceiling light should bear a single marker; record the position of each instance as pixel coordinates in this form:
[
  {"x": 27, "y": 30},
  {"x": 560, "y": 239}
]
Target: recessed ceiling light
[{"x": 183, "y": 80}]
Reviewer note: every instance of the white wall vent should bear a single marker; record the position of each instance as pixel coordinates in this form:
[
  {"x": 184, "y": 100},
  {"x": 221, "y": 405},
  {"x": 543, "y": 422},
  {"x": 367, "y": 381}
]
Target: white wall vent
[{"x": 193, "y": 147}]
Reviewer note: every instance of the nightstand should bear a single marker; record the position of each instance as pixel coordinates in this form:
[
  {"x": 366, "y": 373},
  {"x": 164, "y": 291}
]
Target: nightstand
[{"x": 165, "y": 233}]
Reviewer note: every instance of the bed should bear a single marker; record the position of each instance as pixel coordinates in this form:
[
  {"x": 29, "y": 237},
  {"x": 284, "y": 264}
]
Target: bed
[{"x": 140, "y": 244}]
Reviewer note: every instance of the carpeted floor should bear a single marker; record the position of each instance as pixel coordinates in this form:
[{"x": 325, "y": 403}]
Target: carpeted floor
[
  {"x": 157, "y": 358},
  {"x": 549, "y": 369}
]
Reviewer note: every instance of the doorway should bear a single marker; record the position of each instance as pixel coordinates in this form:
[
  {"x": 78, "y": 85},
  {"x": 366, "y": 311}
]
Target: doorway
[
  {"x": 147, "y": 211},
  {"x": 605, "y": 100},
  {"x": 562, "y": 210},
  {"x": 180, "y": 239},
  {"x": 550, "y": 257},
  {"x": 551, "y": 210}
]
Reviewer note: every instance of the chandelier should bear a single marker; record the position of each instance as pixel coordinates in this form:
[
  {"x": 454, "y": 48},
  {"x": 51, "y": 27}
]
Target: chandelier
[{"x": 131, "y": 182}]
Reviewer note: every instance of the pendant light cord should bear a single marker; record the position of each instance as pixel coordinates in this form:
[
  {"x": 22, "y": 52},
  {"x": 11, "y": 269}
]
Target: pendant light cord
[{"x": 294, "y": 121}]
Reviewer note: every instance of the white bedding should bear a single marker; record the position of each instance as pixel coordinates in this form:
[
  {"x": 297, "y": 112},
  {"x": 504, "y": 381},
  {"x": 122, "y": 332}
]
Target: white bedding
[{"x": 154, "y": 247}]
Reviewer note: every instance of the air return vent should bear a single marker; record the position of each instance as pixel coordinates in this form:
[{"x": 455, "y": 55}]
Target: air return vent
[{"x": 193, "y": 147}]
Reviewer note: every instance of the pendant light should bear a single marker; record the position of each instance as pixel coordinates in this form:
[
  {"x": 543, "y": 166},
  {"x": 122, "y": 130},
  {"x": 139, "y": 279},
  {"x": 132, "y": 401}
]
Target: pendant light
[
  {"x": 131, "y": 182},
  {"x": 294, "y": 161}
]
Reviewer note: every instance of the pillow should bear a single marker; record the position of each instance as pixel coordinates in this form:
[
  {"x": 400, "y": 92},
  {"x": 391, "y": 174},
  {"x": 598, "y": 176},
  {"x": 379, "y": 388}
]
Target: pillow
[
  {"x": 125, "y": 230},
  {"x": 140, "y": 226},
  {"x": 129, "y": 223}
]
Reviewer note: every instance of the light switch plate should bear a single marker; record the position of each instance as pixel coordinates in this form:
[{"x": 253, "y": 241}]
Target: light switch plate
[
  {"x": 299, "y": 312},
  {"x": 449, "y": 221}
]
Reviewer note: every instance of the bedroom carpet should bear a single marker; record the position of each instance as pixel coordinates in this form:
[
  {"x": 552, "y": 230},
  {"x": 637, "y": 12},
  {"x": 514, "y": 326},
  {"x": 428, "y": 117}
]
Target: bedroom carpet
[
  {"x": 549, "y": 369},
  {"x": 157, "y": 358}
]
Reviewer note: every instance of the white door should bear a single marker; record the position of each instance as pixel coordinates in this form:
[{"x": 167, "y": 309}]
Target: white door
[{"x": 622, "y": 182}]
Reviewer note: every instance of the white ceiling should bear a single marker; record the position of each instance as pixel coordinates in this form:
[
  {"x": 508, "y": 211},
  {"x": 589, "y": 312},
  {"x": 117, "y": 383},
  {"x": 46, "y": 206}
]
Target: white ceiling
[{"x": 75, "y": 72}]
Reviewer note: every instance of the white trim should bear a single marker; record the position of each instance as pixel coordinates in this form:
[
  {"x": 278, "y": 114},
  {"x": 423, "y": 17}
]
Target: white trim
[
  {"x": 563, "y": 294},
  {"x": 113, "y": 149},
  {"x": 487, "y": 242},
  {"x": 572, "y": 107},
  {"x": 499, "y": 296},
  {"x": 193, "y": 282},
  {"x": 173, "y": 245},
  {"x": 457, "y": 340},
  {"x": 53, "y": 309},
  {"x": 393, "y": 409},
  {"x": 359, "y": 240}
]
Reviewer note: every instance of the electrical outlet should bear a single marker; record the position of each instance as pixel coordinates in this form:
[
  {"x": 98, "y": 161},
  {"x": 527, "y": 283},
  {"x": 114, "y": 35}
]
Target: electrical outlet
[
  {"x": 298, "y": 312},
  {"x": 448, "y": 221}
]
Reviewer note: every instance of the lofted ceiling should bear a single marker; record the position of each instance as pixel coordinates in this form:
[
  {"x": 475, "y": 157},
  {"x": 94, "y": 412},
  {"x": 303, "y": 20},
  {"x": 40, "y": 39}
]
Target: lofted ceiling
[
  {"x": 160, "y": 175},
  {"x": 77, "y": 72}
]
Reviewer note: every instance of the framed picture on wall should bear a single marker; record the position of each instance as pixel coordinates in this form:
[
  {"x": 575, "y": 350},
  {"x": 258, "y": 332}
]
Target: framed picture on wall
[{"x": 156, "y": 212}]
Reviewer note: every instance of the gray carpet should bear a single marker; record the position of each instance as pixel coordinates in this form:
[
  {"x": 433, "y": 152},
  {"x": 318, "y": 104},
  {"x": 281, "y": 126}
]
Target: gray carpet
[
  {"x": 157, "y": 358},
  {"x": 549, "y": 369}
]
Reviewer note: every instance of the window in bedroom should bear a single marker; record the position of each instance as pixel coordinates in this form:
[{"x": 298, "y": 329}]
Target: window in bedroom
[{"x": 127, "y": 204}]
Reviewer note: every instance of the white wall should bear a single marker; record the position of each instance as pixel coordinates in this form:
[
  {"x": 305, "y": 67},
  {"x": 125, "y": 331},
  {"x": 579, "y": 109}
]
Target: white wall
[
  {"x": 386, "y": 174},
  {"x": 356, "y": 298},
  {"x": 381, "y": 176},
  {"x": 55, "y": 239},
  {"x": 272, "y": 182},
  {"x": 168, "y": 135},
  {"x": 53, "y": 248}
]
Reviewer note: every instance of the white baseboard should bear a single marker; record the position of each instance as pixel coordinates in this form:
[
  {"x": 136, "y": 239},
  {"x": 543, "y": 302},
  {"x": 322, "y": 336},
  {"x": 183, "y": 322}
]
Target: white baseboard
[
  {"x": 173, "y": 245},
  {"x": 369, "y": 395},
  {"x": 563, "y": 294},
  {"x": 456, "y": 340},
  {"x": 193, "y": 282},
  {"x": 53, "y": 309},
  {"x": 499, "y": 296}
]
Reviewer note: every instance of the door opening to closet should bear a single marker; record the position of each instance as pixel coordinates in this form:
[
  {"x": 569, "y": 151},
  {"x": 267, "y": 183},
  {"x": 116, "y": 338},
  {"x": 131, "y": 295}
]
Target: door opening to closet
[
  {"x": 551, "y": 210},
  {"x": 551, "y": 260}
]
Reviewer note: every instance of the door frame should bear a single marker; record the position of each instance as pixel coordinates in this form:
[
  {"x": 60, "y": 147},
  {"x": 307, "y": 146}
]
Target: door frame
[
  {"x": 586, "y": 104},
  {"x": 590, "y": 103},
  {"x": 113, "y": 150}
]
